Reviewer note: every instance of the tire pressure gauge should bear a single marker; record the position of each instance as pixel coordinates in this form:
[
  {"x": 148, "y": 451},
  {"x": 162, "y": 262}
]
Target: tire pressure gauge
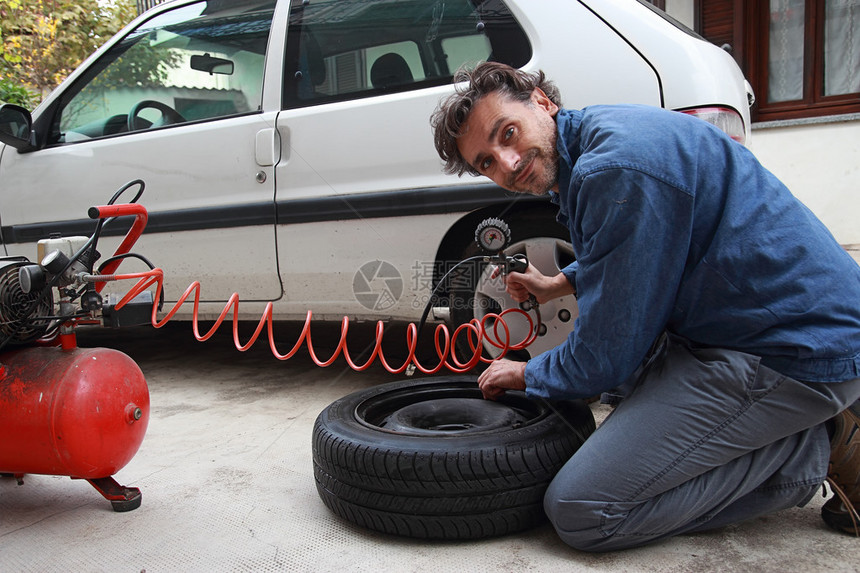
[{"x": 493, "y": 235}]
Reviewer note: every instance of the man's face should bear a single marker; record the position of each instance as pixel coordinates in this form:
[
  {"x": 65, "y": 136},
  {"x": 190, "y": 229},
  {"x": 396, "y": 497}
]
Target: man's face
[{"x": 513, "y": 142}]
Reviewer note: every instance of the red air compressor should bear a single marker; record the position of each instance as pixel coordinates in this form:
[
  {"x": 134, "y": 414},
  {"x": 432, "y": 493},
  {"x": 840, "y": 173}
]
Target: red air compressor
[{"x": 64, "y": 410}]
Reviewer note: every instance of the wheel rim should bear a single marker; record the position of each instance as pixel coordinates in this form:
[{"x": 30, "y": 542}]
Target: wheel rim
[
  {"x": 549, "y": 256},
  {"x": 452, "y": 410},
  {"x": 452, "y": 416}
]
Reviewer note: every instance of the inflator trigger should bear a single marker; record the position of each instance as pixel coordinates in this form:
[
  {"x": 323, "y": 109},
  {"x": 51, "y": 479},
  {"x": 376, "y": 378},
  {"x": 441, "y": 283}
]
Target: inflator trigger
[{"x": 517, "y": 263}]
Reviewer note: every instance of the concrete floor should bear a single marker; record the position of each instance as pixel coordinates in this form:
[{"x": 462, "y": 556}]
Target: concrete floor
[{"x": 225, "y": 471}]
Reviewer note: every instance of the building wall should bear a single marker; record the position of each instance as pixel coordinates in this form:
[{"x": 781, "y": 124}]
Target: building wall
[
  {"x": 820, "y": 163},
  {"x": 818, "y": 159}
]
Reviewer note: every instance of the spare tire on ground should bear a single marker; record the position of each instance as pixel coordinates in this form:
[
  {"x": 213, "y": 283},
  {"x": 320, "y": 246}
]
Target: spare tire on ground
[{"x": 430, "y": 458}]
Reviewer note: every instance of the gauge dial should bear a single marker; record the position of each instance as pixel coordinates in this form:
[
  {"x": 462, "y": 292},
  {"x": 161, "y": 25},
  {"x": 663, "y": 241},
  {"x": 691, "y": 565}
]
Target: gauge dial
[{"x": 493, "y": 235}]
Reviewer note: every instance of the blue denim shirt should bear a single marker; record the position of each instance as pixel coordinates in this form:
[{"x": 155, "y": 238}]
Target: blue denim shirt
[{"x": 677, "y": 227}]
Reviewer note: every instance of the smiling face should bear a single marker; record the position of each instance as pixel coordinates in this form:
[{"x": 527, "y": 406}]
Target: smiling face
[{"x": 513, "y": 142}]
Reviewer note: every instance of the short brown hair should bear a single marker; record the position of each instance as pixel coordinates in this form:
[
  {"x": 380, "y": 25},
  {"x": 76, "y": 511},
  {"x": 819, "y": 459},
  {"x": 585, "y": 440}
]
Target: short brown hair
[{"x": 485, "y": 78}]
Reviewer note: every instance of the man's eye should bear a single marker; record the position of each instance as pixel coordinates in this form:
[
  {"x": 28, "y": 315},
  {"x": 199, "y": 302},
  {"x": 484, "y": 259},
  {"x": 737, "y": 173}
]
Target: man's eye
[
  {"x": 485, "y": 164},
  {"x": 509, "y": 133}
]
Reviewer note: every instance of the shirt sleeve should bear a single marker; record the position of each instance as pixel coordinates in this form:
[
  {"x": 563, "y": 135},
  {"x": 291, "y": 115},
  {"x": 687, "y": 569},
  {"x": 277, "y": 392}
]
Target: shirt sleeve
[
  {"x": 634, "y": 233},
  {"x": 569, "y": 273}
]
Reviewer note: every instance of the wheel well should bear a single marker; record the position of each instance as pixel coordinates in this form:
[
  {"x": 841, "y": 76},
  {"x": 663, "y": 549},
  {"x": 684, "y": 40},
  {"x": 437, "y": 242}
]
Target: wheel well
[{"x": 461, "y": 235}]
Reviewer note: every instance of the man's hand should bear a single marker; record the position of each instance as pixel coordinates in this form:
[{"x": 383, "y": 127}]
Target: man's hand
[
  {"x": 545, "y": 288},
  {"x": 502, "y": 375}
]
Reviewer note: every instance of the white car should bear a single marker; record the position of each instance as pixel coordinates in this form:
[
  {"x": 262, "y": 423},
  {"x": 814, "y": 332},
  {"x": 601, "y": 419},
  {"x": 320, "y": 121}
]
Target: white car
[{"x": 287, "y": 154}]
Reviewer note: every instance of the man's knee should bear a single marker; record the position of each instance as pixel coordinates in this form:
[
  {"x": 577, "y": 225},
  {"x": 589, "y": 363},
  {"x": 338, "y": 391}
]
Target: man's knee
[{"x": 589, "y": 524}]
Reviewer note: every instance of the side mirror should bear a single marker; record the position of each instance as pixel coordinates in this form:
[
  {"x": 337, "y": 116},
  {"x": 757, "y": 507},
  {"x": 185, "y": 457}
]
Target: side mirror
[
  {"x": 211, "y": 65},
  {"x": 16, "y": 127}
]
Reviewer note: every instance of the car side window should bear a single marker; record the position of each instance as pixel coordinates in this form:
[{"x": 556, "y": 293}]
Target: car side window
[
  {"x": 198, "y": 62},
  {"x": 347, "y": 49}
]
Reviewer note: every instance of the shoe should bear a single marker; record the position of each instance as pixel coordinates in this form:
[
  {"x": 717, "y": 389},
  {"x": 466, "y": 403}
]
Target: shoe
[{"x": 841, "y": 511}]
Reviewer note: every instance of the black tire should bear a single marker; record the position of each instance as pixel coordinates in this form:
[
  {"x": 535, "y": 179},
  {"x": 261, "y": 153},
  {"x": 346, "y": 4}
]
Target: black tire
[
  {"x": 546, "y": 244},
  {"x": 431, "y": 459}
]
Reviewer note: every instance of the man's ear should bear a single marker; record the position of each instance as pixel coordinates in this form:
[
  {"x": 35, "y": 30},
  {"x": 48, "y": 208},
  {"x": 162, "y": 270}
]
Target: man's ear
[{"x": 540, "y": 99}]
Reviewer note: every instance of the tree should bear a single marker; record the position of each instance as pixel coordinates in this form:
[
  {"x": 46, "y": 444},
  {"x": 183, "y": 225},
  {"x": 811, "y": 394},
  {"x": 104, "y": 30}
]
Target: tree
[
  {"x": 43, "y": 41},
  {"x": 13, "y": 92}
]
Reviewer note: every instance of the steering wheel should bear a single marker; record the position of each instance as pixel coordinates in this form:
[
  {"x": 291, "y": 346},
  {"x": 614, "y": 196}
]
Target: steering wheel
[{"x": 169, "y": 115}]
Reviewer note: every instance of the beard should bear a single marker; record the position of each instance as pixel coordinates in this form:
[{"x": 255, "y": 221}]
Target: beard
[
  {"x": 543, "y": 161},
  {"x": 544, "y": 175}
]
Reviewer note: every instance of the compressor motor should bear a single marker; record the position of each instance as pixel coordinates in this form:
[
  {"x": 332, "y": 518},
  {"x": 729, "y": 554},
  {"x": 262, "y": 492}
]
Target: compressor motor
[
  {"x": 27, "y": 311},
  {"x": 20, "y": 310}
]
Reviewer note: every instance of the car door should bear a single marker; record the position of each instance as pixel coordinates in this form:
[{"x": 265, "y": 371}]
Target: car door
[
  {"x": 362, "y": 199},
  {"x": 176, "y": 102}
]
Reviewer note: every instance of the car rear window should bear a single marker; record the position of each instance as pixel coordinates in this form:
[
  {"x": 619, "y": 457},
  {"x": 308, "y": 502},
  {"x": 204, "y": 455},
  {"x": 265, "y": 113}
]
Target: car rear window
[
  {"x": 346, "y": 49},
  {"x": 677, "y": 23}
]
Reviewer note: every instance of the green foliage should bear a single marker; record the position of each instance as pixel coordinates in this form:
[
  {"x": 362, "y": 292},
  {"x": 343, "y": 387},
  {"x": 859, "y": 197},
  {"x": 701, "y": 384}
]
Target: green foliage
[
  {"x": 42, "y": 41},
  {"x": 13, "y": 92},
  {"x": 140, "y": 64}
]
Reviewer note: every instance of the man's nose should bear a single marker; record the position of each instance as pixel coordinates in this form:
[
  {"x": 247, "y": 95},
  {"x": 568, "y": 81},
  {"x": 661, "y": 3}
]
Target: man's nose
[{"x": 509, "y": 159}]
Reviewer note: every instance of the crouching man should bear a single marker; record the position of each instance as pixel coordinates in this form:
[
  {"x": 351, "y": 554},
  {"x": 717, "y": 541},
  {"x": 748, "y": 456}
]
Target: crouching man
[{"x": 721, "y": 302}]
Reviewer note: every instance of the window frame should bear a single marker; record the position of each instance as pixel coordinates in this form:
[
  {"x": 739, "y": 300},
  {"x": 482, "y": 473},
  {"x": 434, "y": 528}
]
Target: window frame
[
  {"x": 747, "y": 37},
  {"x": 813, "y": 102}
]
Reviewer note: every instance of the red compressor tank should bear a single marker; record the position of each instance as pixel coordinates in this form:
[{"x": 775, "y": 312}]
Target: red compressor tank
[{"x": 80, "y": 412}]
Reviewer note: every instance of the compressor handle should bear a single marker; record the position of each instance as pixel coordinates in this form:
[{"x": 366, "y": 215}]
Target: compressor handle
[
  {"x": 120, "y": 210},
  {"x": 124, "y": 209}
]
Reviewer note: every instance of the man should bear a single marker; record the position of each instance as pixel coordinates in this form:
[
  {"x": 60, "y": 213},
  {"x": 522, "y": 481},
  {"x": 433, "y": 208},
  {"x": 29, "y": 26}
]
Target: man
[{"x": 702, "y": 284}]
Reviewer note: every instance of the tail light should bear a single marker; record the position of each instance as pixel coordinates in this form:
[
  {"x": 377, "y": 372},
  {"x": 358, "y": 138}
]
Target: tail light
[{"x": 725, "y": 118}]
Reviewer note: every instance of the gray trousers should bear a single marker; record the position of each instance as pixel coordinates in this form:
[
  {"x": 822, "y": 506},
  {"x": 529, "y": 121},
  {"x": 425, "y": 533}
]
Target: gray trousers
[{"x": 705, "y": 438}]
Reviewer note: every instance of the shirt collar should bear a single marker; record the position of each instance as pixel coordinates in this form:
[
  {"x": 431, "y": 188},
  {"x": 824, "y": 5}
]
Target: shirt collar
[{"x": 568, "y": 123}]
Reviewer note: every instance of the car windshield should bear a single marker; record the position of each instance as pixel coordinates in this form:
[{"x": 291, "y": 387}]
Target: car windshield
[{"x": 202, "y": 61}]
